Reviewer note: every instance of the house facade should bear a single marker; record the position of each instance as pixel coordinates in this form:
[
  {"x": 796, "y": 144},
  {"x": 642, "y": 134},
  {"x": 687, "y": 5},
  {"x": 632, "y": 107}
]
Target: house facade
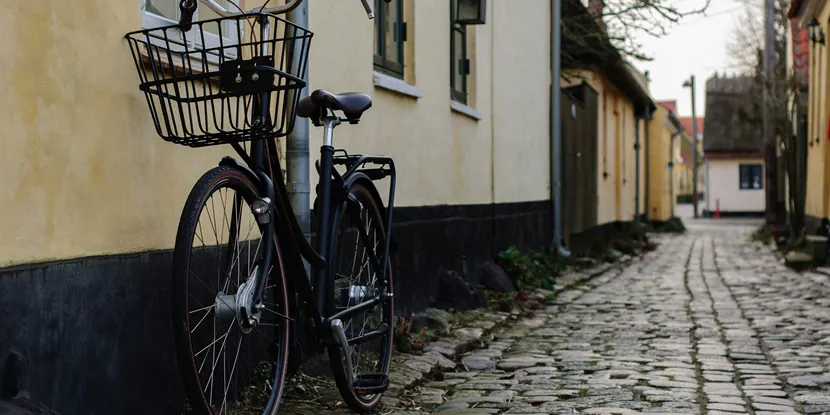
[
  {"x": 683, "y": 154},
  {"x": 665, "y": 138},
  {"x": 604, "y": 107},
  {"x": 811, "y": 35},
  {"x": 91, "y": 197},
  {"x": 733, "y": 149}
]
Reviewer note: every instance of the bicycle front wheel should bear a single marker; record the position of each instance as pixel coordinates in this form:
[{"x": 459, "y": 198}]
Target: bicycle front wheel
[{"x": 228, "y": 365}]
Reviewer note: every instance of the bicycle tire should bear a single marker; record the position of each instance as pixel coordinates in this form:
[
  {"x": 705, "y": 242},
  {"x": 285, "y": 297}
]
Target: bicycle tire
[
  {"x": 276, "y": 355},
  {"x": 366, "y": 194}
]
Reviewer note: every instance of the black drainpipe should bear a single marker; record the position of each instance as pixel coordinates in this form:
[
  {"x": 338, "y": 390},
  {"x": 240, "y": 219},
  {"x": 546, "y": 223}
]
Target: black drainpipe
[{"x": 648, "y": 169}]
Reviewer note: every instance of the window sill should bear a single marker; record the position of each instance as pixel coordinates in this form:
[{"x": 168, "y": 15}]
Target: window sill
[
  {"x": 390, "y": 83},
  {"x": 460, "y": 108}
]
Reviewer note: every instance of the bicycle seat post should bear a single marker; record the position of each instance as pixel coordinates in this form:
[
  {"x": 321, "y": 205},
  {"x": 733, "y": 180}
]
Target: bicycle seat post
[{"x": 329, "y": 123}]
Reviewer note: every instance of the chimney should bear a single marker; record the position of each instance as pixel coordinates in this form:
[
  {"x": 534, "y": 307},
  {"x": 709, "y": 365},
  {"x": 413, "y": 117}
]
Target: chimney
[{"x": 596, "y": 7}]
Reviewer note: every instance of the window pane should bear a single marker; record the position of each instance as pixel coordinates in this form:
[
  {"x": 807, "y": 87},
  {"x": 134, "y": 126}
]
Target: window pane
[
  {"x": 206, "y": 13},
  {"x": 391, "y": 26},
  {"x": 744, "y": 177},
  {"x": 758, "y": 177},
  {"x": 380, "y": 6},
  {"x": 457, "y": 59},
  {"x": 164, "y": 8},
  {"x": 751, "y": 176}
]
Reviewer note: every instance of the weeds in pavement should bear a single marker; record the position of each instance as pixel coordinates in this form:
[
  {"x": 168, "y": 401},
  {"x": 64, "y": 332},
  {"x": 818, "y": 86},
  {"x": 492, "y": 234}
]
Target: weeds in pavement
[
  {"x": 673, "y": 225},
  {"x": 761, "y": 235},
  {"x": 405, "y": 340},
  {"x": 532, "y": 269},
  {"x": 410, "y": 342}
]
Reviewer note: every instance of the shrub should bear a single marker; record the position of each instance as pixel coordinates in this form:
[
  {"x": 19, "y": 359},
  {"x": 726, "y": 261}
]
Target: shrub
[
  {"x": 531, "y": 269},
  {"x": 674, "y": 225}
]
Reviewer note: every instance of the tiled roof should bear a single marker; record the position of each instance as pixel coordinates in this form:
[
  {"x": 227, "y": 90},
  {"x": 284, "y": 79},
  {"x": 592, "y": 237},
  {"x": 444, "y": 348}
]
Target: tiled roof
[
  {"x": 687, "y": 125},
  {"x": 670, "y": 105}
]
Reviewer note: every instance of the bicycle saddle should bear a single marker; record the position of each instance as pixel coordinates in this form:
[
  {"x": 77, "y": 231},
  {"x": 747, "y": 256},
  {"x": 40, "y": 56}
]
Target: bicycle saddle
[{"x": 316, "y": 105}]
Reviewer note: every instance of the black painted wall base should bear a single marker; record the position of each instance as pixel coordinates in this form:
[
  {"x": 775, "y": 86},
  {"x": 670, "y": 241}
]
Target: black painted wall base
[
  {"x": 812, "y": 224},
  {"x": 97, "y": 331},
  {"x": 459, "y": 238},
  {"x": 585, "y": 241},
  {"x": 734, "y": 214}
]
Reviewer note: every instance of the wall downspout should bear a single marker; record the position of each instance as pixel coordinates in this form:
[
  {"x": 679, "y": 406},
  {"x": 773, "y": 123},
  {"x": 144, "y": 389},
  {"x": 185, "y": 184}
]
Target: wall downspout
[
  {"x": 556, "y": 125},
  {"x": 708, "y": 205},
  {"x": 647, "y": 160},
  {"x": 637, "y": 120},
  {"x": 671, "y": 171},
  {"x": 297, "y": 166},
  {"x": 493, "y": 230}
]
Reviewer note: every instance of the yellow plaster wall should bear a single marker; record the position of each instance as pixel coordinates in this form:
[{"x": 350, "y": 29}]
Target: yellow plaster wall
[{"x": 82, "y": 171}]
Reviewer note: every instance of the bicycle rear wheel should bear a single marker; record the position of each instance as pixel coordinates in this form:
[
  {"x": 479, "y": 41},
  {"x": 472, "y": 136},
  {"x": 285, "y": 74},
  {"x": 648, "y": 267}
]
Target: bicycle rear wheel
[
  {"x": 227, "y": 367},
  {"x": 359, "y": 245}
]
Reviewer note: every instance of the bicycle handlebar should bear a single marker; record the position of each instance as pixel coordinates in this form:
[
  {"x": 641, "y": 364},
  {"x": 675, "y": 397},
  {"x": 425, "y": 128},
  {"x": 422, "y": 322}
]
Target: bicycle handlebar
[
  {"x": 221, "y": 11},
  {"x": 188, "y": 7}
]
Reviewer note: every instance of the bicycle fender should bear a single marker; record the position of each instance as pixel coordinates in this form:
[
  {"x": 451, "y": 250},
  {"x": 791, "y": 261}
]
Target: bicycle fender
[
  {"x": 361, "y": 177},
  {"x": 232, "y": 162}
]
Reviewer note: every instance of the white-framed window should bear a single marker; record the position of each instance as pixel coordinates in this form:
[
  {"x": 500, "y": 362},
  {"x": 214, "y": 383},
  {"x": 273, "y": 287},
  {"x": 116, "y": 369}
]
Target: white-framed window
[
  {"x": 751, "y": 176},
  {"x": 389, "y": 37},
  {"x": 218, "y": 38}
]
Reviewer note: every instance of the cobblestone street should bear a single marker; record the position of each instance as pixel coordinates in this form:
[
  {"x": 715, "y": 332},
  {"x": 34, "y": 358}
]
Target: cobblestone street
[{"x": 709, "y": 323}]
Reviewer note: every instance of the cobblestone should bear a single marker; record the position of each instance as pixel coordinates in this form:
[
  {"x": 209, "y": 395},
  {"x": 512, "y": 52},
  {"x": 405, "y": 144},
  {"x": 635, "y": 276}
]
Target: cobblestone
[{"x": 707, "y": 324}]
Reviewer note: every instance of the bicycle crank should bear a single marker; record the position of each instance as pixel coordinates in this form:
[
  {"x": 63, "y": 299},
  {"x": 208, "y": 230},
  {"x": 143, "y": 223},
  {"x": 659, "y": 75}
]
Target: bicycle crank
[{"x": 343, "y": 342}]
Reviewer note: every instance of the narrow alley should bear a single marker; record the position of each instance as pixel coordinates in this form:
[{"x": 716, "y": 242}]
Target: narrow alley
[{"x": 707, "y": 324}]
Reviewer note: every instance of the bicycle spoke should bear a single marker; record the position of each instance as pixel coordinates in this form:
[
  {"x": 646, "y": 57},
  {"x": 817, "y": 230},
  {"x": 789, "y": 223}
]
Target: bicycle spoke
[
  {"x": 209, "y": 346},
  {"x": 277, "y": 314},
  {"x": 200, "y": 322},
  {"x": 233, "y": 369},
  {"x": 216, "y": 361}
]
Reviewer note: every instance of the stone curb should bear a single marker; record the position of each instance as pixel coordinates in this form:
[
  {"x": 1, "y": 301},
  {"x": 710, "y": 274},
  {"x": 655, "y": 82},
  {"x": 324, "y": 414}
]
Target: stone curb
[{"x": 408, "y": 370}]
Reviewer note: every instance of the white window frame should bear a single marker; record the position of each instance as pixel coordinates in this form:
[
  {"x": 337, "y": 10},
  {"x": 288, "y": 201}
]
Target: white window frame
[{"x": 151, "y": 20}]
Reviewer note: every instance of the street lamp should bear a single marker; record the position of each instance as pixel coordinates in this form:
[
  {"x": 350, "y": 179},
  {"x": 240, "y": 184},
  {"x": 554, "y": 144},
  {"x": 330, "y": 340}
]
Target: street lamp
[
  {"x": 814, "y": 31},
  {"x": 471, "y": 12},
  {"x": 690, "y": 83}
]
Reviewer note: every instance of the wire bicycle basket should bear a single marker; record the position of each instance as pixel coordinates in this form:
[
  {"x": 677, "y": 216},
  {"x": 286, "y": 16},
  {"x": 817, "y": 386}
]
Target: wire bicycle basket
[{"x": 206, "y": 86}]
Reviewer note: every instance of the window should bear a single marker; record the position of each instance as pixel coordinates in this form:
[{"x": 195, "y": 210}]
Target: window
[
  {"x": 159, "y": 13},
  {"x": 390, "y": 35},
  {"x": 752, "y": 176},
  {"x": 459, "y": 63}
]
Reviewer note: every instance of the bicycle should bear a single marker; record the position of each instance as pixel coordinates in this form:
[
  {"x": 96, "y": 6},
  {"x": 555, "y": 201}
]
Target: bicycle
[{"x": 235, "y": 80}]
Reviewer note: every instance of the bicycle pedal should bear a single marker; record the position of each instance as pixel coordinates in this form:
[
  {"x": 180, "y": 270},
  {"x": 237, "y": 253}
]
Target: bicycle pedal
[{"x": 371, "y": 383}]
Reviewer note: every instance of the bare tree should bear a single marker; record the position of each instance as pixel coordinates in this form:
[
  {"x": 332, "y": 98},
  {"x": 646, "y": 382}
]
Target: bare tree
[
  {"x": 614, "y": 31},
  {"x": 627, "y": 20},
  {"x": 745, "y": 47},
  {"x": 747, "y": 37}
]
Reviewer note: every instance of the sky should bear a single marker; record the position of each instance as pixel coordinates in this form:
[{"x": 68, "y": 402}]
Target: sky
[{"x": 697, "y": 46}]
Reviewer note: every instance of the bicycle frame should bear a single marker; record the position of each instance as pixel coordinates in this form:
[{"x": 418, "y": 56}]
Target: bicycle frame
[{"x": 263, "y": 165}]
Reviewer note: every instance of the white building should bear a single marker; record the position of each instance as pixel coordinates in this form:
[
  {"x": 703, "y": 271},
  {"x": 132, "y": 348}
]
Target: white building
[{"x": 733, "y": 148}]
